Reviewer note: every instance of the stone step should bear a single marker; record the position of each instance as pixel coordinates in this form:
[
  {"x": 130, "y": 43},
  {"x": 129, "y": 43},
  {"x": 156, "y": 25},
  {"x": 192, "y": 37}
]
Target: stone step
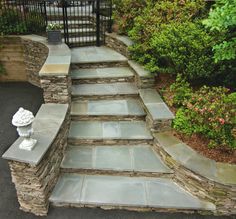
[
  {"x": 76, "y": 23},
  {"x": 82, "y": 40},
  {"x": 116, "y": 159},
  {"x": 81, "y": 32},
  {"x": 101, "y": 75},
  {"x": 125, "y": 192},
  {"x": 101, "y": 91},
  {"x": 97, "y": 57},
  {"x": 93, "y": 132},
  {"x": 109, "y": 109}
]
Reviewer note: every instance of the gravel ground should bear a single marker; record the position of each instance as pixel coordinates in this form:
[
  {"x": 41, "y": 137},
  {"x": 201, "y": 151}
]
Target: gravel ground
[{"x": 13, "y": 96}]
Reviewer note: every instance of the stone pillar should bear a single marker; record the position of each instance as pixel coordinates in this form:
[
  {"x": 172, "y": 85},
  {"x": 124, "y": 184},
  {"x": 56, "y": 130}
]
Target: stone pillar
[
  {"x": 56, "y": 89},
  {"x": 36, "y": 172}
]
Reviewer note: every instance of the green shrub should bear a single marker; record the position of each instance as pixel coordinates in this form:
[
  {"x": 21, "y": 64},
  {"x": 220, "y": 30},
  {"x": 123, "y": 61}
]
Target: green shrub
[
  {"x": 222, "y": 20},
  {"x": 181, "y": 90},
  {"x": 181, "y": 122},
  {"x": 11, "y": 22},
  {"x": 125, "y": 12},
  {"x": 180, "y": 48},
  {"x": 157, "y": 13},
  {"x": 211, "y": 112}
]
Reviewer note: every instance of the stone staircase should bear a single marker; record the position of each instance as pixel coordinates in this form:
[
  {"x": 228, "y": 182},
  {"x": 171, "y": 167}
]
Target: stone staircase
[{"x": 110, "y": 161}]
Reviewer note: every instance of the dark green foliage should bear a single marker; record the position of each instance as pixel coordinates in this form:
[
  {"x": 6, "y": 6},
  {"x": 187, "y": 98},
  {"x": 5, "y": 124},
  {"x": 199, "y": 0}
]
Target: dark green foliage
[{"x": 13, "y": 22}]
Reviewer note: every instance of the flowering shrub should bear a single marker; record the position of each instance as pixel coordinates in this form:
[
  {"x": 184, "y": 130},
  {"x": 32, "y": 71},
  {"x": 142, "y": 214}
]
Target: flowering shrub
[
  {"x": 125, "y": 12},
  {"x": 54, "y": 26},
  {"x": 211, "y": 112}
]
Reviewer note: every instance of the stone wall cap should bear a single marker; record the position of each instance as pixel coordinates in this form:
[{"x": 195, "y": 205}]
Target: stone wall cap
[
  {"x": 222, "y": 173},
  {"x": 47, "y": 124},
  {"x": 58, "y": 60},
  {"x": 124, "y": 39},
  {"x": 139, "y": 69},
  {"x": 154, "y": 105}
]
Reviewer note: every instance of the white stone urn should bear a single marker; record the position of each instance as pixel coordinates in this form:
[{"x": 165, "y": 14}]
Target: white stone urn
[{"x": 23, "y": 120}]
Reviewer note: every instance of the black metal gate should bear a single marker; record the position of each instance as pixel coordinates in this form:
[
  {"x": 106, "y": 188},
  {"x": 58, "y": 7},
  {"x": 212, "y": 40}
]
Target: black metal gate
[{"x": 83, "y": 22}]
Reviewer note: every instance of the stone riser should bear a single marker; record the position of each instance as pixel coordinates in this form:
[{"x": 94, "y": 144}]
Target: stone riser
[
  {"x": 107, "y": 118},
  {"x": 137, "y": 209},
  {"x": 105, "y": 97},
  {"x": 116, "y": 173},
  {"x": 81, "y": 34},
  {"x": 110, "y": 142},
  {"x": 70, "y": 17},
  {"x": 82, "y": 25},
  {"x": 102, "y": 80},
  {"x": 101, "y": 65},
  {"x": 82, "y": 43}
]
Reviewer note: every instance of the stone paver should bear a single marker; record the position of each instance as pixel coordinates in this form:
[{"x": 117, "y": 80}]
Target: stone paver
[
  {"x": 104, "y": 89},
  {"x": 109, "y": 130},
  {"x": 139, "y": 158},
  {"x": 107, "y": 107},
  {"x": 95, "y": 55},
  {"x": 96, "y": 73},
  {"x": 124, "y": 191}
]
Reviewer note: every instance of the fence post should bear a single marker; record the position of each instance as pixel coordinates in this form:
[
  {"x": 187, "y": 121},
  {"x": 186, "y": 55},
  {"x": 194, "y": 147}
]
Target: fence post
[
  {"x": 110, "y": 17},
  {"x": 45, "y": 12},
  {"x": 65, "y": 22},
  {"x": 98, "y": 41}
]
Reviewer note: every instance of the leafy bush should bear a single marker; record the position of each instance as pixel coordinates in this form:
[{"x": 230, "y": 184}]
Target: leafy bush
[
  {"x": 157, "y": 13},
  {"x": 125, "y": 12},
  {"x": 222, "y": 19},
  {"x": 211, "y": 112},
  {"x": 11, "y": 22},
  {"x": 180, "y": 48},
  {"x": 182, "y": 91}
]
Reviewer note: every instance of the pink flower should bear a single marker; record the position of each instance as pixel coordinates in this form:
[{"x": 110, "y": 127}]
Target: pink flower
[{"x": 222, "y": 121}]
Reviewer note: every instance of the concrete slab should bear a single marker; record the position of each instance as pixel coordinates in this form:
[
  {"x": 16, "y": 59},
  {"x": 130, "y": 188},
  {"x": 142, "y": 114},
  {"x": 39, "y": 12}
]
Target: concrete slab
[{"x": 95, "y": 55}]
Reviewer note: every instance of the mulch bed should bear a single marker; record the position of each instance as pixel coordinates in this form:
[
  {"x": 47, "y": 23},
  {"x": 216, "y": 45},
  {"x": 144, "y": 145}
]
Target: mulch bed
[{"x": 196, "y": 141}]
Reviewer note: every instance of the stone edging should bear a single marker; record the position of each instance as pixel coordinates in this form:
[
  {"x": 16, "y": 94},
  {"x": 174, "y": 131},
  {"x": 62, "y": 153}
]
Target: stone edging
[
  {"x": 199, "y": 175},
  {"x": 36, "y": 172}
]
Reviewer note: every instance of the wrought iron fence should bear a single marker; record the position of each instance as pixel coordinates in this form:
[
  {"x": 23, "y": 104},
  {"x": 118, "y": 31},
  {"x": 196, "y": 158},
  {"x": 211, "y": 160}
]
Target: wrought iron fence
[{"x": 84, "y": 22}]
